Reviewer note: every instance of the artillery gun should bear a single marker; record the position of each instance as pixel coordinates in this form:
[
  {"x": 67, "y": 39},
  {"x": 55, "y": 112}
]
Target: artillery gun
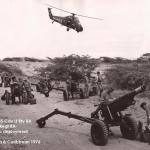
[
  {"x": 75, "y": 88},
  {"x": 111, "y": 115}
]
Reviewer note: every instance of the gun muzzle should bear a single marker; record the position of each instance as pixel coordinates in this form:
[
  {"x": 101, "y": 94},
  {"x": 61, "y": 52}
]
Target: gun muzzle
[{"x": 140, "y": 89}]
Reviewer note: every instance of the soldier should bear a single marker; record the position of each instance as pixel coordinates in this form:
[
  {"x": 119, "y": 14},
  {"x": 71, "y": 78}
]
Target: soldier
[
  {"x": 13, "y": 85},
  {"x": 106, "y": 98},
  {"x": 49, "y": 84},
  {"x": 7, "y": 79},
  {"x": 43, "y": 85},
  {"x": 106, "y": 95},
  {"x": 146, "y": 108},
  {"x": 45, "y": 88},
  {"x": 99, "y": 83},
  {"x": 144, "y": 134},
  {"x": 86, "y": 84},
  {"x": 24, "y": 97},
  {"x": 27, "y": 87},
  {"x": 68, "y": 83},
  {"x": 21, "y": 89}
]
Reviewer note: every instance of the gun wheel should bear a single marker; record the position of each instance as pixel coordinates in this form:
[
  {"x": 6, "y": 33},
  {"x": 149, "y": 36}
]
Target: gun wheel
[
  {"x": 129, "y": 128},
  {"x": 41, "y": 124},
  {"x": 99, "y": 133}
]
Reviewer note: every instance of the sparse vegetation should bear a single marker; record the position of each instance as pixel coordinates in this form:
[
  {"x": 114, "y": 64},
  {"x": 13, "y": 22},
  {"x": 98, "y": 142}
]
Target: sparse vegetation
[
  {"x": 33, "y": 59},
  {"x": 63, "y": 66},
  {"x": 129, "y": 76},
  {"x": 19, "y": 59},
  {"x": 115, "y": 60},
  {"x": 11, "y": 69},
  {"x": 3, "y": 67}
]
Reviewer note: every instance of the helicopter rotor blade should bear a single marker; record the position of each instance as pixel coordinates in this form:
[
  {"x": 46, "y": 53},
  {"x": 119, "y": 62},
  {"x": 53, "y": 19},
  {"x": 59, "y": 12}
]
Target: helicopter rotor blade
[
  {"x": 57, "y": 8},
  {"x": 73, "y": 13},
  {"x": 89, "y": 17}
]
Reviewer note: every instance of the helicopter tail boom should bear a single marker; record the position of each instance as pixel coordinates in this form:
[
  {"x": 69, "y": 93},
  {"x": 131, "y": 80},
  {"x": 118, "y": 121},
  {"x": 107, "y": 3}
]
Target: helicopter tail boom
[{"x": 50, "y": 13}]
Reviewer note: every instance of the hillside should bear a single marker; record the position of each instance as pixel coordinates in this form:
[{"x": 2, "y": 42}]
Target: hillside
[{"x": 28, "y": 68}]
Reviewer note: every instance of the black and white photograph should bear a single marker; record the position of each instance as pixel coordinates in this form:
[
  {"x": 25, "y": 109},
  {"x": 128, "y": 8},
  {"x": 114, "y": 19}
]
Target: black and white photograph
[{"x": 74, "y": 75}]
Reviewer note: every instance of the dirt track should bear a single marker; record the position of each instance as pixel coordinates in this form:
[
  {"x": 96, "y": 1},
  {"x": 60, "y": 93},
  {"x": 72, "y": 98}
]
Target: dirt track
[{"x": 60, "y": 133}]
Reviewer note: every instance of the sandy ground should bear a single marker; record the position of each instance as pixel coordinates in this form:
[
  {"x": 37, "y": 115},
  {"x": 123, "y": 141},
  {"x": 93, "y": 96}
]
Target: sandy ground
[{"x": 60, "y": 132}]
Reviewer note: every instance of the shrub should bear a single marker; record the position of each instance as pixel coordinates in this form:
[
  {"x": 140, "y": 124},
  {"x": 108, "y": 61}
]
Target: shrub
[
  {"x": 11, "y": 69},
  {"x": 33, "y": 59},
  {"x": 128, "y": 76},
  {"x": 18, "y": 59},
  {"x": 3, "y": 67},
  {"x": 73, "y": 65}
]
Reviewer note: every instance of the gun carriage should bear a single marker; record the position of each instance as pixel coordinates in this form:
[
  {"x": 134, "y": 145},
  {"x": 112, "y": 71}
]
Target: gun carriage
[{"x": 110, "y": 115}]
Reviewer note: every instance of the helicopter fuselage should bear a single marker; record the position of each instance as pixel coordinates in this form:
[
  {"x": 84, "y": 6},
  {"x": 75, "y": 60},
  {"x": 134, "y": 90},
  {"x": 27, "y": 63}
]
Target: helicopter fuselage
[{"x": 68, "y": 21}]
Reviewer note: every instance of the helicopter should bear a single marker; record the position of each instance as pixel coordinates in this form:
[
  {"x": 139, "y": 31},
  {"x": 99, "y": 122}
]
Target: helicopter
[{"x": 71, "y": 21}]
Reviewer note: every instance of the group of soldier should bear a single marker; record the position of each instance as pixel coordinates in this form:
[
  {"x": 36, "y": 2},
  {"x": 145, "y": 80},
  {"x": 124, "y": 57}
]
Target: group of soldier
[{"x": 20, "y": 88}]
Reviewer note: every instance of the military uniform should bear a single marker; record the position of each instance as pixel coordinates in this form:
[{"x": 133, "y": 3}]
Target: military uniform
[
  {"x": 27, "y": 87},
  {"x": 147, "y": 110},
  {"x": 99, "y": 84},
  {"x": 21, "y": 89},
  {"x": 68, "y": 83},
  {"x": 105, "y": 97},
  {"x": 7, "y": 80},
  {"x": 13, "y": 86},
  {"x": 86, "y": 79}
]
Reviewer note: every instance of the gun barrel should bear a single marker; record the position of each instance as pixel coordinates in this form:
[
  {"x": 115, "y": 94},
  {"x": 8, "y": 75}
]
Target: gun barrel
[
  {"x": 140, "y": 89},
  {"x": 126, "y": 100}
]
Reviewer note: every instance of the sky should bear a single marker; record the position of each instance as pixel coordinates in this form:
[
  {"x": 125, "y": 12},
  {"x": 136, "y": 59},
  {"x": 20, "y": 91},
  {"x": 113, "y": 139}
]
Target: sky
[{"x": 26, "y": 30}]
